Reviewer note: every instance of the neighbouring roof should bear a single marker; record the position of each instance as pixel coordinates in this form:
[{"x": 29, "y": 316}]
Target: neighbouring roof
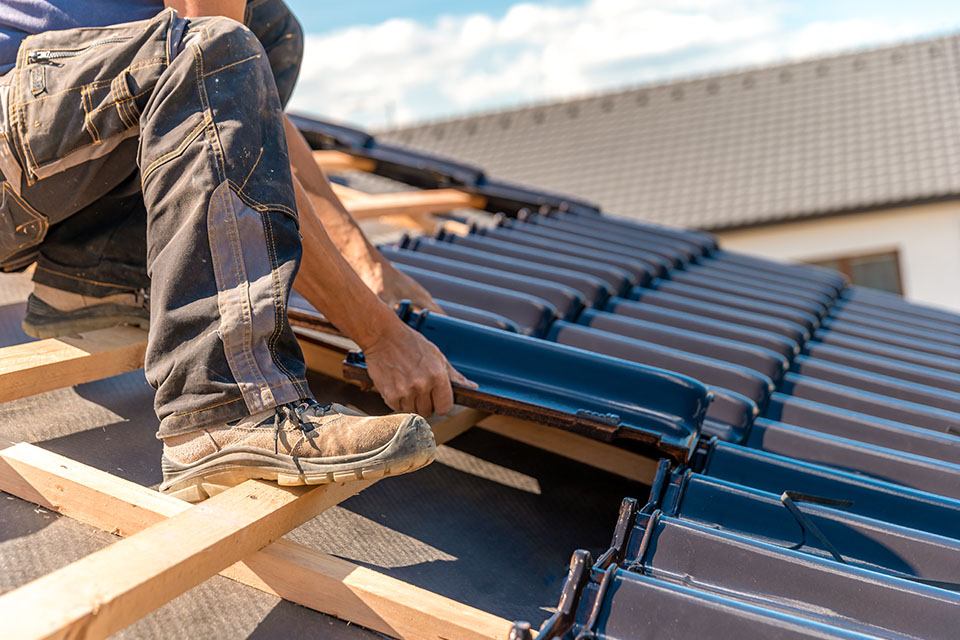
[{"x": 863, "y": 130}]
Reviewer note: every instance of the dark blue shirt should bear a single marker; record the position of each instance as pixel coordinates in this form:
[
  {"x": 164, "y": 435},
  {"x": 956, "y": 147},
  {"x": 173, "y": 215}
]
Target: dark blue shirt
[{"x": 21, "y": 18}]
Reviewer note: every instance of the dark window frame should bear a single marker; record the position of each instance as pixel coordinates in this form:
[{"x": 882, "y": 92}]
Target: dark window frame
[{"x": 844, "y": 264}]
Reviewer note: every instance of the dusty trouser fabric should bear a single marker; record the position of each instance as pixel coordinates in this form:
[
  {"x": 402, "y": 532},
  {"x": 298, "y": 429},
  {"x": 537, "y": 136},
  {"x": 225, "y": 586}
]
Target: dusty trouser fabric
[
  {"x": 194, "y": 105},
  {"x": 102, "y": 249}
]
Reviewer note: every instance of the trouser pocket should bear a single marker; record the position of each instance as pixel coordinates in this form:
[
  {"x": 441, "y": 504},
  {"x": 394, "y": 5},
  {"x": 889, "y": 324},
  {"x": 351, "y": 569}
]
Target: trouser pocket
[
  {"x": 22, "y": 228},
  {"x": 79, "y": 93}
]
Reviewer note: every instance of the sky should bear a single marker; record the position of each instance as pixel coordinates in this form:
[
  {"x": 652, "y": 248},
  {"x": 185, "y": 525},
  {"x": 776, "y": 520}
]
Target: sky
[{"x": 379, "y": 64}]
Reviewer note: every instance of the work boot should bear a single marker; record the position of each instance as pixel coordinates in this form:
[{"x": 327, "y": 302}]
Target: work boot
[
  {"x": 54, "y": 312},
  {"x": 294, "y": 444}
]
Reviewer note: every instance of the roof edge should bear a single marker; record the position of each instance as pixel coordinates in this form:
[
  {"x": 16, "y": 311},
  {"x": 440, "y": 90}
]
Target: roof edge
[
  {"x": 830, "y": 213},
  {"x": 683, "y": 79}
]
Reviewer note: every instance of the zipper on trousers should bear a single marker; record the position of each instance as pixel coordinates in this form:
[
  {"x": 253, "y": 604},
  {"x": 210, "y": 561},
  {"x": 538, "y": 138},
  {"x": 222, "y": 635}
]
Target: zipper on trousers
[{"x": 48, "y": 57}]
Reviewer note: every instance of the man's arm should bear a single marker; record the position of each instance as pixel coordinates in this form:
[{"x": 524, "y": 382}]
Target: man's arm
[
  {"x": 382, "y": 277},
  {"x": 198, "y": 8},
  {"x": 377, "y": 272},
  {"x": 409, "y": 372}
]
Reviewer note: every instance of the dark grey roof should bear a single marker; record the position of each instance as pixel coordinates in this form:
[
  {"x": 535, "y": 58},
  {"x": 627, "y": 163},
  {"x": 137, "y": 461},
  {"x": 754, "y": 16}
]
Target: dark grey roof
[{"x": 856, "y": 131}]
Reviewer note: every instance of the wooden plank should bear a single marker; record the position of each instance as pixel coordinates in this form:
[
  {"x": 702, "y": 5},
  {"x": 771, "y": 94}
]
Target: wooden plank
[
  {"x": 346, "y": 193},
  {"x": 414, "y": 203},
  {"x": 575, "y": 447},
  {"x": 418, "y": 223},
  {"x": 323, "y": 352},
  {"x": 338, "y": 161},
  {"x": 44, "y": 365},
  {"x": 284, "y": 568},
  {"x": 36, "y": 367},
  {"x": 456, "y": 227},
  {"x": 112, "y": 588},
  {"x": 446, "y": 428}
]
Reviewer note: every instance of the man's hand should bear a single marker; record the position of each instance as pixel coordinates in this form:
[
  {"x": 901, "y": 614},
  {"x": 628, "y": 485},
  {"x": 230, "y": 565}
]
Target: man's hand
[{"x": 411, "y": 374}]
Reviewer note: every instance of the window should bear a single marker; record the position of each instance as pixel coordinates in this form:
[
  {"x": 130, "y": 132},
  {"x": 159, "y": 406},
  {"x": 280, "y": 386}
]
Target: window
[{"x": 876, "y": 270}]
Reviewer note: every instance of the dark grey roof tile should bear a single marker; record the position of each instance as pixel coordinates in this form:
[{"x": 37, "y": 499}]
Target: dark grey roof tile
[{"x": 859, "y": 130}]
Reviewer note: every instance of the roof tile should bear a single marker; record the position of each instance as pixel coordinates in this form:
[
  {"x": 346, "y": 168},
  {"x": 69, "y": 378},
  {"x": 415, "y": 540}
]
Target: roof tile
[{"x": 858, "y": 130}]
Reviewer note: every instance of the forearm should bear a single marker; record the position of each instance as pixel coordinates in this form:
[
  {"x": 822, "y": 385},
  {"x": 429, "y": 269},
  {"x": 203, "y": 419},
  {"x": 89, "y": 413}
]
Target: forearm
[
  {"x": 199, "y": 8},
  {"x": 409, "y": 372},
  {"x": 337, "y": 222},
  {"x": 331, "y": 285}
]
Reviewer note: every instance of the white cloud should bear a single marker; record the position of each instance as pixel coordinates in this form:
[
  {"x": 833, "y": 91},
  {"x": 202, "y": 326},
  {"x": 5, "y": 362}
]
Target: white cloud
[
  {"x": 817, "y": 37},
  {"x": 402, "y": 70}
]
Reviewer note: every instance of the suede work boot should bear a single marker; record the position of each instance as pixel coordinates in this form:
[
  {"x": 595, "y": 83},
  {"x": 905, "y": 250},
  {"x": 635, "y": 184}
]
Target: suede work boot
[
  {"x": 52, "y": 312},
  {"x": 294, "y": 444}
]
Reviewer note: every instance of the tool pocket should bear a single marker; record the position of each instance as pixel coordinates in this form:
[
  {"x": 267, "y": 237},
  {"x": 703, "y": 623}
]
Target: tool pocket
[
  {"x": 21, "y": 228},
  {"x": 114, "y": 109},
  {"x": 79, "y": 92}
]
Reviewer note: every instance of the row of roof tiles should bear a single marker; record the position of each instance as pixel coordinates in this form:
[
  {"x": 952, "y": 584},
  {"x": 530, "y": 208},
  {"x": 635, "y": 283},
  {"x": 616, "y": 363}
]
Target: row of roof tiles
[
  {"x": 861, "y": 130},
  {"x": 810, "y": 430}
]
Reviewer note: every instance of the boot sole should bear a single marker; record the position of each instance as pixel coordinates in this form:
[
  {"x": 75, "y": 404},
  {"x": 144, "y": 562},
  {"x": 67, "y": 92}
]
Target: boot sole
[
  {"x": 412, "y": 447},
  {"x": 44, "y": 321},
  {"x": 71, "y": 327}
]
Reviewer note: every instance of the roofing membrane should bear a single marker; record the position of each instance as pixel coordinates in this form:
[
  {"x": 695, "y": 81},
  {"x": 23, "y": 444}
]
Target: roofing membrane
[{"x": 816, "y": 495}]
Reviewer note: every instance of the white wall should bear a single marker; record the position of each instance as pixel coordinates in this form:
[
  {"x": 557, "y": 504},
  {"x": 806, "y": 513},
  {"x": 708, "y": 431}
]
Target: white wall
[{"x": 927, "y": 237}]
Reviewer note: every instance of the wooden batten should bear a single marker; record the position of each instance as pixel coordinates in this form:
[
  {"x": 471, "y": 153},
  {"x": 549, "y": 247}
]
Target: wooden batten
[
  {"x": 338, "y": 162},
  {"x": 411, "y": 203},
  {"x": 456, "y": 227},
  {"x": 416, "y": 223},
  {"x": 112, "y": 588},
  {"x": 45, "y": 365},
  {"x": 176, "y": 546},
  {"x": 35, "y": 367},
  {"x": 347, "y": 194},
  {"x": 575, "y": 447}
]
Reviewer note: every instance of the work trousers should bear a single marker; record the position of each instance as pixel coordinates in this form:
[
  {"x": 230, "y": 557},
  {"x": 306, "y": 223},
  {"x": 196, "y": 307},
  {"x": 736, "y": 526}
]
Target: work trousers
[{"x": 151, "y": 155}]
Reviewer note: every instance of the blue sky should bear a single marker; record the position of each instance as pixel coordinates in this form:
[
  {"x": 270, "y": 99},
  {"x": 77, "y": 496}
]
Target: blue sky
[
  {"x": 377, "y": 63},
  {"x": 327, "y": 16}
]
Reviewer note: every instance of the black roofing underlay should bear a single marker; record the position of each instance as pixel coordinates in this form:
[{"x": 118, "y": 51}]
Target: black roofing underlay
[{"x": 817, "y": 494}]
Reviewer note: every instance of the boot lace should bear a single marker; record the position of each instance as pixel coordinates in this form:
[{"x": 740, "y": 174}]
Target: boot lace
[{"x": 292, "y": 413}]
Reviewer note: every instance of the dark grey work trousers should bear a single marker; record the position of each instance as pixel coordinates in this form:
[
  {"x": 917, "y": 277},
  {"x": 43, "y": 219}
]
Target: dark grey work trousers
[{"x": 152, "y": 155}]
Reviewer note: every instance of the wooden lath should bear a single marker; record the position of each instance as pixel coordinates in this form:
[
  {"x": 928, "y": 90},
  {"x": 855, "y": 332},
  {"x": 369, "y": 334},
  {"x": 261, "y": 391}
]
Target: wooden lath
[
  {"x": 338, "y": 162},
  {"x": 92, "y": 356},
  {"x": 34, "y": 367},
  {"x": 347, "y": 194},
  {"x": 412, "y": 203},
  {"x": 407, "y": 209},
  {"x": 174, "y": 546}
]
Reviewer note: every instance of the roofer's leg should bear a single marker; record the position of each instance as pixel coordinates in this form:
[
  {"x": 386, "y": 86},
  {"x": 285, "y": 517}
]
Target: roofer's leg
[
  {"x": 91, "y": 272},
  {"x": 223, "y": 249},
  {"x": 92, "y": 269},
  {"x": 222, "y": 241},
  {"x": 281, "y": 35}
]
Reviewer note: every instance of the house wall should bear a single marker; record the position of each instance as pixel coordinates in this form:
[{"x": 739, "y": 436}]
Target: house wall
[{"x": 927, "y": 238}]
